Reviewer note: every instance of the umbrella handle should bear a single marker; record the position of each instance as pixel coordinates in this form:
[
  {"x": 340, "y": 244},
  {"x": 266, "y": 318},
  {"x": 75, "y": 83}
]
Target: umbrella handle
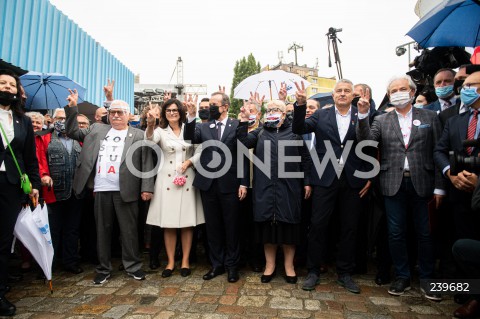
[
  {"x": 270, "y": 86},
  {"x": 51, "y": 287}
]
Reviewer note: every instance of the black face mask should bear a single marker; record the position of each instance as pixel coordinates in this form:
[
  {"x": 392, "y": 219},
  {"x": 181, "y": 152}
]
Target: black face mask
[
  {"x": 457, "y": 86},
  {"x": 6, "y": 98},
  {"x": 105, "y": 119},
  {"x": 204, "y": 114},
  {"x": 214, "y": 112},
  {"x": 290, "y": 115},
  {"x": 355, "y": 101}
]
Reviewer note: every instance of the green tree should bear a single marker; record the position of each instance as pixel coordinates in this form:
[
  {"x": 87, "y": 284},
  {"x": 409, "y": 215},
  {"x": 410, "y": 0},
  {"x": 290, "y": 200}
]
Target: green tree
[{"x": 243, "y": 69}]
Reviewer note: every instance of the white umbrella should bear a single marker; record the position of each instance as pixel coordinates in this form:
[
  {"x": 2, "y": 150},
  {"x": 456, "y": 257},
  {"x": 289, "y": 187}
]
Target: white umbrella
[
  {"x": 32, "y": 229},
  {"x": 268, "y": 83}
]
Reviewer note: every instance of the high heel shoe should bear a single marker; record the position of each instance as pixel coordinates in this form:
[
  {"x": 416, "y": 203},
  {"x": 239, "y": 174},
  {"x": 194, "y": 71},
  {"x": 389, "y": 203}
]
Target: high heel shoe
[
  {"x": 267, "y": 278},
  {"x": 291, "y": 279}
]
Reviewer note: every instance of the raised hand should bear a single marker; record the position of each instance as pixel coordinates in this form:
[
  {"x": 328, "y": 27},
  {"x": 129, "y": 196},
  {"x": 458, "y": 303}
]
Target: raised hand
[
  {"x": 108, "y": 90},
  {"x": 221, "y": 89},
  {"x": 191, "y": 104},
  {"x": 282, "y": 94},
  {"x": 151, "y": 119},
  {"x": 301, "y": 94},
  {"x": 256, "y": 97},
  {"x": 244, "y": 113},
  {"x": 167, "y": 95},
  {"x": 72, "y": 98},
  {"x": 363, "y": 104}
]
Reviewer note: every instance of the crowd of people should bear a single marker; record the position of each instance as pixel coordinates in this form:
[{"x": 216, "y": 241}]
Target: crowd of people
[{"x": 293, "y": 175}]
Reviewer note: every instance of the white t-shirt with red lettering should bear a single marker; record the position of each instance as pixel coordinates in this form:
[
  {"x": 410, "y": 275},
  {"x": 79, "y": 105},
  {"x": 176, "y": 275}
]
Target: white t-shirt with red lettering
[{"x": 108, "y": 161}]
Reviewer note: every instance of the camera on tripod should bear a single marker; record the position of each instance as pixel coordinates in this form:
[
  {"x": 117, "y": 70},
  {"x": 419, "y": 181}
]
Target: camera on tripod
[
  {"x": 459, "y": 162},
  {"x": 332, "y": 30}
]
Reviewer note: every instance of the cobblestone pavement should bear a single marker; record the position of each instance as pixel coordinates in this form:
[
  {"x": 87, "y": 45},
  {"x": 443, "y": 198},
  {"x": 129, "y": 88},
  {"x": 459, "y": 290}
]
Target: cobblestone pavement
[{"x": 75, "y": 296}]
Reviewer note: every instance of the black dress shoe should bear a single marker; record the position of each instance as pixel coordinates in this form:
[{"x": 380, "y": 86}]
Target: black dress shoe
[
  {"x": 167, "y": 272},
  {"x": 256, "y": 267},
  {"x": 154, "y": 264},
  {"x": 291, "y": 279},
  {"x": 214, "y": 272},
  {"x": 233, "y": 275},
  {"x": 382, "y": 280},
  {"x": 267, "y": 278},
  {"x": 185, "y": 272},
  {"x": 6, "y": 307},
  {"x": 74, "y": 269},
  {"x": 469, "y": 310},
  {"x": 14, "y": 278}
]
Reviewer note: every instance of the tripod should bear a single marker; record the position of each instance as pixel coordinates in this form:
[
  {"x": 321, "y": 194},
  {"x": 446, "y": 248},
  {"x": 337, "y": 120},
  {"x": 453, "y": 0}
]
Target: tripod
[{"x": 332, "y": 36}]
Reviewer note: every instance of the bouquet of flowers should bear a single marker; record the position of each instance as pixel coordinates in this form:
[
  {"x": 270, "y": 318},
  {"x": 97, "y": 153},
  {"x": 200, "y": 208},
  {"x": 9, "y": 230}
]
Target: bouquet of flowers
[{"x": 179, "y": 180}]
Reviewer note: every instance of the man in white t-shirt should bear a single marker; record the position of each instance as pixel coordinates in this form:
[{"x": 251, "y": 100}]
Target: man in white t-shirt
[{"x": 102, "y": 166}]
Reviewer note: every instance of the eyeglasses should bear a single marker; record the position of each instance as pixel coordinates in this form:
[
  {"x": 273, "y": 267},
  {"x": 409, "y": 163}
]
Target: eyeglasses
[
  {"x": 469, "y": 85},
  {"x": 274, "y": 110},
  {"x": 172, "y": 111},
  {"x": 120, "y": 112}
]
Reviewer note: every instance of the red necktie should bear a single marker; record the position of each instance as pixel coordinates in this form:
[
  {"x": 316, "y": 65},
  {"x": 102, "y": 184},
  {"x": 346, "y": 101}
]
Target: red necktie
[{"x": 472, "y": 127}]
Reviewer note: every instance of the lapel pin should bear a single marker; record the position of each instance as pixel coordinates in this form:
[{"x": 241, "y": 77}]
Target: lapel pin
[
  {"x": 212, "y": 125},
  {"x": 17, "y": 121},
  {"x": 229, "y": 124},
  {"x": 416, "y": 122},
  {"x": 130, "y": 135}
]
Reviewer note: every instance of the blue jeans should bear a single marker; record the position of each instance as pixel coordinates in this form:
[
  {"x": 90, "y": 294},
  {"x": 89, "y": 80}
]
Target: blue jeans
[{"x": 397, "y": 208}]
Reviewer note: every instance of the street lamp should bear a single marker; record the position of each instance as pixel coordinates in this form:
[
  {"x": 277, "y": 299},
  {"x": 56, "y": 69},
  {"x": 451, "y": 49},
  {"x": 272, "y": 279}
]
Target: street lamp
[{"x": 401, "y": 49}]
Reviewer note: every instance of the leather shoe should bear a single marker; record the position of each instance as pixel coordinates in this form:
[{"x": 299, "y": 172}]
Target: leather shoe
[
  {"x": 154, "y": 264},
  {"x": 469, "y": 310},
  {"x": 214, "y": 272},
  {"x": 291, "y": 279},
  {"x": 14, "y": 278},
  {"x": 233, "y": 275},
  {"x": 382, "y": 280},
  {"x": 167, "y": 272},
  {"x": 267, "y": 278},
  {"x": 6, "y": 307},
  {"x": 185, "y": 272},
  {"x": 74, "y": 269}
]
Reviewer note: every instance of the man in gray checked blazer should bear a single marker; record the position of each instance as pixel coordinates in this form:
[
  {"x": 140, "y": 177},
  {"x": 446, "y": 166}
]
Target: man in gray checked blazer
[
  {"x": 408, "y": 177},
  {"x": 103, "y": 167}
]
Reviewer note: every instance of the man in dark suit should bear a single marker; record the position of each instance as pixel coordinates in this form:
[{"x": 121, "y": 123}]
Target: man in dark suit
[
  {"x": 407, "y": 175},
  {"x": 104, "y": 166},
  {"x": 462, "y": 183},
  {"x": 220, "y": 187},
  {"x": 336, "y": 189},
  {"x": 443, "y": 84}
]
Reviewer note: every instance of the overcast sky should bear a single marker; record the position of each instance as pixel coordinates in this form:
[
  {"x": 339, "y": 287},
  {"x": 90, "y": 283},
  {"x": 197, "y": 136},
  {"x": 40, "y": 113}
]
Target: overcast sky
[{"x": 149, "y": 35}]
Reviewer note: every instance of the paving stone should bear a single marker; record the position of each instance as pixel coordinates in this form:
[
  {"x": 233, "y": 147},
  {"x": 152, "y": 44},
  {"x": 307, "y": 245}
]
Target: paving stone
[
  {"x": 252, "y": 301},
  {"x": 47, "y": 315},
  {"x": 163, "y": 301},
  {"x": 294, "y": 314},
  {"x": 227, "y": 309},
  {"x": 127, "y": 300},
  {"x": 389, "y": 301},
  {"x": 147, "y": 310},
  {"x": 165, "y": 315},
  {"x": 356, "y": 306},
  {"x": 137, "y": 317},
  {"x": 117, "y": 312},
  {"x": 28, "y": 302},
  {"x": 312, "y": 305},
  {"x": 214, "y": 316},
  {"x": 254, "y": 292},
  {"x": 146, "y": 291},
  {"x": 350, "y": 315},
  {"x": 279, "y": 293},
  {"x": 263, "y": 312},
  {"x": 322, "y": 296},
  {"x": 286, "y": 303},
  {"x": 100, "y": 291},
  {"x": 424, "y": 310},
  {"x": 87, "y": 309},
  {"x": 205, "y": 299},
  {"x": 181, "y": 302},
  {"x": 227, "y": 300},
  {"x": 202, "y": 308}
]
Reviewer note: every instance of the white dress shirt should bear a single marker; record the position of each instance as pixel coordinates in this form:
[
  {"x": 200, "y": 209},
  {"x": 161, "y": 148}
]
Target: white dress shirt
[
  {"x": 343, "y": 123},
  {"x": 6, "y": 119},
  {"x": 406, "y": 128}
]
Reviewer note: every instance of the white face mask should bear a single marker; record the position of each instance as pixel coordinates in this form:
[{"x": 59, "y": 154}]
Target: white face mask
[{"x": 400, "y": 99}]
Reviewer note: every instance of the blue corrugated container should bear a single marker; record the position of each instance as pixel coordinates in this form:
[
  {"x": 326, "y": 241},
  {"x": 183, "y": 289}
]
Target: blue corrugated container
[{"x": 36, "y": 36}]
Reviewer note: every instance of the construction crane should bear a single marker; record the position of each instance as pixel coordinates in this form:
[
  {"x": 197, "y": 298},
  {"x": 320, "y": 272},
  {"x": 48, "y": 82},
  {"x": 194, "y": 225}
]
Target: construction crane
[{"x": 199, "y": 89}]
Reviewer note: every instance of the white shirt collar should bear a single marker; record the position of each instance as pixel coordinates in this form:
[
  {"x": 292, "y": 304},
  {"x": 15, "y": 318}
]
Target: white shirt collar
[
  {"x": 337, "y": 112},
  {"x": 224, "y": 121},
  {"x": 409, "y": 114}
]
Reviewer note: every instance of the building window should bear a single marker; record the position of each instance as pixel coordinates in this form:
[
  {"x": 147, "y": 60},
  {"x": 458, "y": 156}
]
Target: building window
[
  {"x": 314, "y": 81},
  {"x": 314, "y": 90},
  {"x": 310, "y": 72}
]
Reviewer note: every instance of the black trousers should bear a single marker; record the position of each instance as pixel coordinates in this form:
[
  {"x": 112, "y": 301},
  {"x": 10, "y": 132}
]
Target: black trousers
[
  {"x": 11, "y": 198},
  {"x": 343, "y": 199},
  {"x": 222, "y": 224},
  {"x": 65, "y": 219}
]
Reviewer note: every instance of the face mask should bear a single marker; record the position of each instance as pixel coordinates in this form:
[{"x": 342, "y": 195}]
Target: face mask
[
  {"x": 418, "y": 105},
  {"x": 273, "y": 120},
  {"x": 444, "y": 91},
  {"x": 105, "y": 119},
  {"x": 214, "y": 112},
  {"x": 469, "y": 95},
  {"x": 355, "y": 101},
  {"x": 204, "y": 114},
  {"x": 252, "y": 119},
  {"x": 400, "y": 99},
  {"x": 457, "y": 85},
  {"x": 59, "y": 126},
  {"x": 6, "y": 98},
  {"x": 290, "y": 115}
]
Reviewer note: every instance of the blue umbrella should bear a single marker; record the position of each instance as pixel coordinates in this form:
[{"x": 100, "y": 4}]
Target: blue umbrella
[
  {"x": 48, "y": 90},
  {"x": 452, "y": 23}
]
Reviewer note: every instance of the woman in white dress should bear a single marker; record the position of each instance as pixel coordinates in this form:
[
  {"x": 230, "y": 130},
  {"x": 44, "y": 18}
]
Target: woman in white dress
[{"x": 174, "y": 206}]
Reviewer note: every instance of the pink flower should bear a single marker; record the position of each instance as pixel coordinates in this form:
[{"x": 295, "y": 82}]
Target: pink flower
[{"x": 179, "y": 180}]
